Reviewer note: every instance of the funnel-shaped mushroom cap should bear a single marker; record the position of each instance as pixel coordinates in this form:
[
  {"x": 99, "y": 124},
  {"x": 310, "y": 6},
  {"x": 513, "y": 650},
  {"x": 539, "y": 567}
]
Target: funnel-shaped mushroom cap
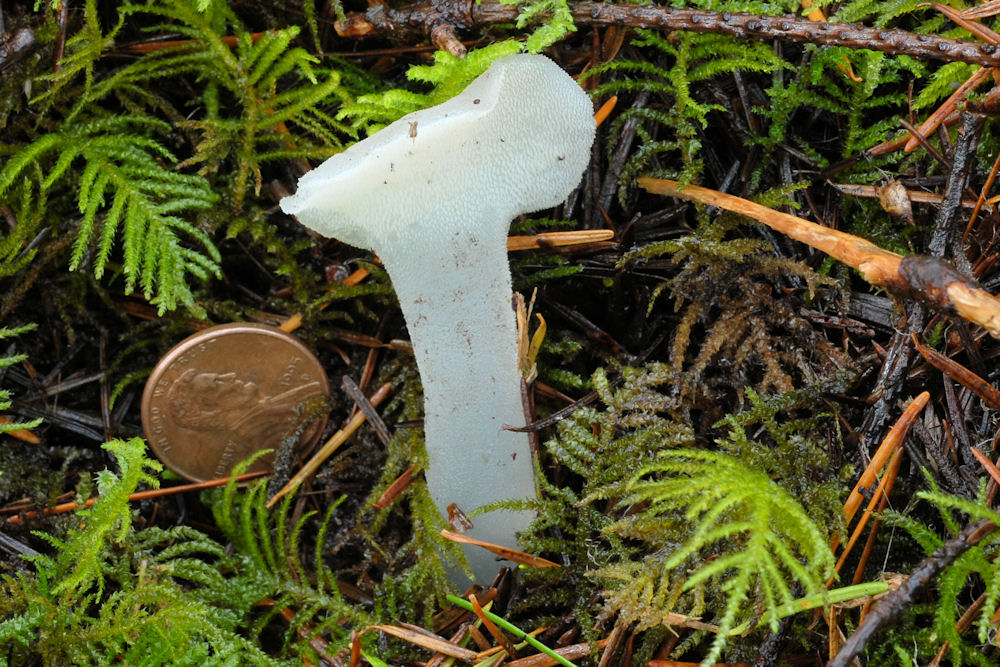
[{"x": 516, "y": 140}]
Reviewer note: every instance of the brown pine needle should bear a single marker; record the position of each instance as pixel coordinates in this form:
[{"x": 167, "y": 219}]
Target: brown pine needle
[
  {"x": 62, "y": 508},
  {"x": 963, "y": 20},
  {"x": 959, "y": 373},
  {"x": 514, "y": 555},
  {"x": 21, "y": 434},
  {"x": 421, "y": 638},
  {"x": 140, "y": 48},
  {"x": 881, "y": 494},
  {"x": 335, "y": 441},
  {"x": 605, "y": 110},
  {"x": 398, "y": 485},
  {"x": 948, "y": 106},
  {"x": 491, "y": 627},
  {"x": 893, "y": 441},
  {"x": 983, "y": 11},
  {"x": 981, "y": 199},
  {"x": 987, "y": 464}
]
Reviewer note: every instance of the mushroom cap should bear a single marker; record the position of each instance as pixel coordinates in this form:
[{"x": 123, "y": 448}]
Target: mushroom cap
[{"x": 516, "y": 140}]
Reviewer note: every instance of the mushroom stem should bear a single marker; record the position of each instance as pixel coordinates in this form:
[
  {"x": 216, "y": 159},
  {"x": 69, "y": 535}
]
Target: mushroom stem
[
  {"x": 466, "y": 350},
  {"x": 433, "y": 195}
]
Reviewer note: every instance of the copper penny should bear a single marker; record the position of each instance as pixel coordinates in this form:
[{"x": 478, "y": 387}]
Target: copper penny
[{"x": 226, "y": 392}]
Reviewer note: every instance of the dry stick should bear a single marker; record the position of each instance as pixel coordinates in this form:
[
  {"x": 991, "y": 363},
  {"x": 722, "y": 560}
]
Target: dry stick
[
  {"x": 929, "y": 279},
  {"x": 944, "y": 237},
  {"x": 422, "y": 19},
  {"x": 614, "y": 641},
  {"x": 626, "y": 138},
  {"x": 925, "y": 142},
  {"x": 889, "y": 608},
  {"x": 555, "y": 417},
  {"x": 877, "y": 266},
  {"x": 375, "y": 420},
  {"x": 571, "y": 652}
]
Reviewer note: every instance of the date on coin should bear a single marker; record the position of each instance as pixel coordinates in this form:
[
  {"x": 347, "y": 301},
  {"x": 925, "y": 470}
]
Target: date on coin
[{"x": 226, "y": 392}]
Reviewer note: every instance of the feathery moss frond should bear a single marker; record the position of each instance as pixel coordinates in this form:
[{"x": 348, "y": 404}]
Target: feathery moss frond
[
  {"x": 688, "y": 58},
  {"x": 123, "y": 189},
  {"x": 5, "y": 362},
  {"x": 448, "y": 76},
  {"x": 102, "y": 137},
  {"x": 110, "y": 519},
  {"x": 110, "y": 594},
  {"x": 748, "y": 513},
  {"x": 279, "y": 90},
  {"x": 172, "y": 596},
  {"x": 83, "y": 49},
  {"x": 555, "y": 17},
  {"x": 766, "y": 539},
  {"x": 267, "y": 565}
]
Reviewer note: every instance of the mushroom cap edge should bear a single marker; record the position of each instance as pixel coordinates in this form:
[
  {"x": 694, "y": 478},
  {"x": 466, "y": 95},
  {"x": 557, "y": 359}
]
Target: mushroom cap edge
[{"x": 516, "y": 140}]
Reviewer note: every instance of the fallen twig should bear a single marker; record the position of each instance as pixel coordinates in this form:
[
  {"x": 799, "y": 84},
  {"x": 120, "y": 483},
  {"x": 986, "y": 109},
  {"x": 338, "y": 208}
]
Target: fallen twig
[
  {"x": 930, "y": 279},
  {"x": 887, "y": 609},
  {"x": 438, "y": 20}
]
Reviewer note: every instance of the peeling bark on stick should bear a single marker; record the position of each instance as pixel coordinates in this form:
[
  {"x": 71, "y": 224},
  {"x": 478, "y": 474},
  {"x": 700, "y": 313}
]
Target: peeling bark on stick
[{"x": 929, "y": 279}]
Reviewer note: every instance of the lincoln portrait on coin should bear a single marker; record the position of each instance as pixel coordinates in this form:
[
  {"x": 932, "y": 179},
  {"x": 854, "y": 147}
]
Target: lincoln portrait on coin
[{"x": 236, "y": 407}]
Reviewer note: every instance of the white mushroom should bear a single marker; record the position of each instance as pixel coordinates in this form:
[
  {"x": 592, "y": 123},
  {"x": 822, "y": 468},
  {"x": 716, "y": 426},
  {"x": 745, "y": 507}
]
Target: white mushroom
[{"x": 433, "y": 195}]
